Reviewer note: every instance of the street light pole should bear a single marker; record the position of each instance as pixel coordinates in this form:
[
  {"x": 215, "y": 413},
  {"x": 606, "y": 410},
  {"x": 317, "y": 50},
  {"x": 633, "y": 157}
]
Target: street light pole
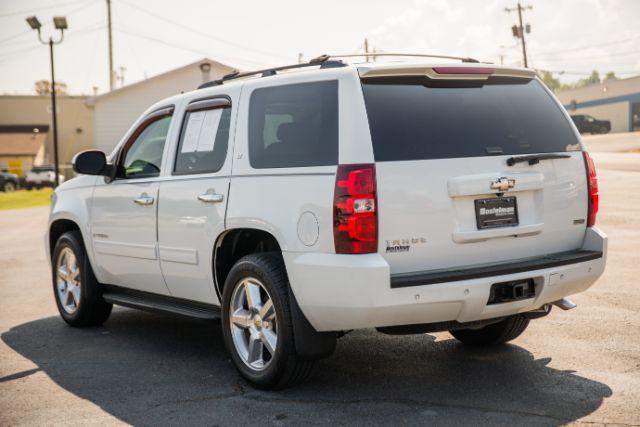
[
  {"x": 60, "y": 22},
  {"x": 56, "y": 161}
]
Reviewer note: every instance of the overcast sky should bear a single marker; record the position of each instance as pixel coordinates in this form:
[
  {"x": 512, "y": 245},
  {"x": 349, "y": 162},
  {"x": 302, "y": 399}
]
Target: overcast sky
[{"x": 154, "y": 36}]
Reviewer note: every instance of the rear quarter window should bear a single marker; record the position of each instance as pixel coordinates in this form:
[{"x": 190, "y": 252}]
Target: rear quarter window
[
  {"x": 294, "y": 125},
  {"x": 410, "y": 119}
]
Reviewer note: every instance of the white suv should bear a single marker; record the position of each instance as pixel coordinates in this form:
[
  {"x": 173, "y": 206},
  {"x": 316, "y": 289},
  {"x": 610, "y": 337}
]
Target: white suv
[{"x": 298, "y": 205}]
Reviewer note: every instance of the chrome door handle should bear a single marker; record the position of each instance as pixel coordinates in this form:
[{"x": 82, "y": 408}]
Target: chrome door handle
[
  {"x": 144, "y": 200},
  {"x": 211, "y": 197}
]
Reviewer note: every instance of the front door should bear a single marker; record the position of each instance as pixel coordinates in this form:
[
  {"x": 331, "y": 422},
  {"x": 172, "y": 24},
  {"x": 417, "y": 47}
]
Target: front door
[
  {"x": 193, "y": 200},
  {"x": 123, "y": 212}
]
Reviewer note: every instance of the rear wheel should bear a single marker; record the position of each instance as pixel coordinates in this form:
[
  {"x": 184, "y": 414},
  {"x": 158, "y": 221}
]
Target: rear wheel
[
  {"x": 257, "y": 326},
  {"x": 494, "y": 334},
  {"x": 77, "y": 292},
  {"x": 603, "y": 129}
]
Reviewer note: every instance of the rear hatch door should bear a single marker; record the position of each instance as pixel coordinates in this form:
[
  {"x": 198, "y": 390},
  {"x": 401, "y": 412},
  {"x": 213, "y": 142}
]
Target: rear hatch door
[{"x": 448, "y": 194}]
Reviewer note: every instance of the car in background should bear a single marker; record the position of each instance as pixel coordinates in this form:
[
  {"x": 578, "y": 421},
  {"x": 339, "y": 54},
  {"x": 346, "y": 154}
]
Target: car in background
[
  {"x": 589, "y": 124},
  {"x": 41, "y": 176},
  {"x": 8, "y": 182}
]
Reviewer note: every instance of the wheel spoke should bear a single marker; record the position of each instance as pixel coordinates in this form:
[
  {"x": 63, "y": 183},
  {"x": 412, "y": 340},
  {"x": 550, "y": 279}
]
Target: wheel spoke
[
  {"x": 255, "y": 348},
  {"x": 68, "y": 296},
  {"x": 269, "y": 339},
  {"x": 62, "y": 273},
  {"x": 241, "y": 318},
  {"x": 70, "y": 262},
  {"x": 252, "y": 292},
  {"x": 266, "y": 311},
  {"x": 75, "y": 292}
]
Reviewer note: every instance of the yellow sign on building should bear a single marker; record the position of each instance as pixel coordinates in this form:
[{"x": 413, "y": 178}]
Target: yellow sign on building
[{"x": 15, "y": 166}]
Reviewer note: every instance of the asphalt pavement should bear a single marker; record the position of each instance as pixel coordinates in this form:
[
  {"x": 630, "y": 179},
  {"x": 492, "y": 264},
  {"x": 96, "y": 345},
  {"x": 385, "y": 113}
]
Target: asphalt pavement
[{"x": 581, "y": 366}]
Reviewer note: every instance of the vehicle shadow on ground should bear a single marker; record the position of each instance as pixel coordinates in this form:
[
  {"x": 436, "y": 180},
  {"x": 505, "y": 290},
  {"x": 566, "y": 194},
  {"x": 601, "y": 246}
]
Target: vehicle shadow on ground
[{"x": 149, "y": 369}]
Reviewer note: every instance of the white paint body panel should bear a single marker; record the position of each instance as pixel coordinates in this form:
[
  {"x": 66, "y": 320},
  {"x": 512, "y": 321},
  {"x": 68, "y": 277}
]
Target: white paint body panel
[
  {"x": 434, "y": 200},
  {"x": 342, "y": 292},
  {"x": 124, "y": 236}
]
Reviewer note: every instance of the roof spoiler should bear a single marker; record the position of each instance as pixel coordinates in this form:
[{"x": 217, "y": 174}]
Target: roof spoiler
[{"x": 446, "y": 72}]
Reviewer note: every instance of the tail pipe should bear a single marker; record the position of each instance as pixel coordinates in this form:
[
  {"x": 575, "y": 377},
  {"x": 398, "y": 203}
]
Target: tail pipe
[{"x": 565, "y": 304}]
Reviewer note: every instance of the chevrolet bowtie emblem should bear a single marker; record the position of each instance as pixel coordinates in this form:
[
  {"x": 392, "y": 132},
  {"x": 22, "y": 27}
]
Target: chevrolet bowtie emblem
[{"x": 503, "y": 184}]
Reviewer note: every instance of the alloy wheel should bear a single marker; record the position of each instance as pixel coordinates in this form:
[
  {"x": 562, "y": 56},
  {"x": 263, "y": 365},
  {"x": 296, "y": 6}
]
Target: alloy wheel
[
  {"x": 253, "y": 323},
  {"x": 68, "y": 280}
]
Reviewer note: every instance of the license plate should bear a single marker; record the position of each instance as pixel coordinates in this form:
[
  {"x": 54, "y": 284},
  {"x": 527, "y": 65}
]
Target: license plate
[{"x": 496, "y": 212}]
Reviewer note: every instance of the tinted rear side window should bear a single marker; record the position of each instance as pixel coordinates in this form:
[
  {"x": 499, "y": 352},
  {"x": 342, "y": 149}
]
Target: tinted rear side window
[
  {"x": 294, "y": 125},
  {"x": 411, "y": 121}
]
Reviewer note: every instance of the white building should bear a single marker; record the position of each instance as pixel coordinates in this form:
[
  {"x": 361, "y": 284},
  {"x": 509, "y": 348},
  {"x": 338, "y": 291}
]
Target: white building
[
  {"x": 115, "y": 111},
  {"x": 615, "y": 100}
]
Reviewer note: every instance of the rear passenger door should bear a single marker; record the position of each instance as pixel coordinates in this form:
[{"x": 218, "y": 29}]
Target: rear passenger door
[{"x": 193, "y": 197}]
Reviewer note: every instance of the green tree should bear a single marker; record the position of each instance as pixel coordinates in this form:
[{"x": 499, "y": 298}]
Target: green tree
[
  {"x": 610, "y": 76},
  {"x": 594, "y": 78},
  {"x": 548, "y": 79}
]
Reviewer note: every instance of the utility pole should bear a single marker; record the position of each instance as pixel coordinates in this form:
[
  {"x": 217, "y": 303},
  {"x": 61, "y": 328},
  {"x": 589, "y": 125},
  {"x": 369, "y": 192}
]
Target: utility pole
[
  {"x": 366, "y": 49},
  {"x": 300, "y": 58},
  {"x": 519, "y": 31},
  {"x": 111, "y": 72}
]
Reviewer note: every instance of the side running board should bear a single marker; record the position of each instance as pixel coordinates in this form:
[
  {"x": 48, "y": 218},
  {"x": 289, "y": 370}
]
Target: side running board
[{"x": 159, "y": 303}]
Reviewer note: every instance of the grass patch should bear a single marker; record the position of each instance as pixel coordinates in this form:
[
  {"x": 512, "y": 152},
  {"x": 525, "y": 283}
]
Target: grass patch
[{"x": 25, "y": 199}]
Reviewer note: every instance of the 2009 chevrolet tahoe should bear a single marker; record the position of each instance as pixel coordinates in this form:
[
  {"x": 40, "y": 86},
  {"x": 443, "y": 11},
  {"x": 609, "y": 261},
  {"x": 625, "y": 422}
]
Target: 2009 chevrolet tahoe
[{"x": 303, "y": 202}]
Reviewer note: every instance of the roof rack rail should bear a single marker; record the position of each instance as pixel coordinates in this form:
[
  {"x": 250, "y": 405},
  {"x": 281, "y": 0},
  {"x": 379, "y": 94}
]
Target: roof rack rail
[
  {"x": 419, "y": 55},
  {"x": 323, "y": 61}
]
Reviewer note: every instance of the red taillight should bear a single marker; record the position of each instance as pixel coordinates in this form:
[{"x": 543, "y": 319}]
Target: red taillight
[
  {"x": 355, "y": 220},
  {"x": 592, "y": 186},
  {"x": 464, "y": 70}
]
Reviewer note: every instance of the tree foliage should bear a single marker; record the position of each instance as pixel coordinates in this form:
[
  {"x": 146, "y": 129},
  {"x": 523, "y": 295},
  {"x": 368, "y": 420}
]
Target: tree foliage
[
  {"x": 555, "y": 84},
  {"x": 43, "y": 87}
]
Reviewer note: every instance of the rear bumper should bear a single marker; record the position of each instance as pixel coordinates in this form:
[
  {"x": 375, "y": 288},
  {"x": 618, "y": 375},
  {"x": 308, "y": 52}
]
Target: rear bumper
[{"x": 342, "y": 292}]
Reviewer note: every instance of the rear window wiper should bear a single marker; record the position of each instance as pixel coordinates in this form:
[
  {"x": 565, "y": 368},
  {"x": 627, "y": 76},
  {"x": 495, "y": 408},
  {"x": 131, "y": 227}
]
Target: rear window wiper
[{"x": 535, "y": 158}]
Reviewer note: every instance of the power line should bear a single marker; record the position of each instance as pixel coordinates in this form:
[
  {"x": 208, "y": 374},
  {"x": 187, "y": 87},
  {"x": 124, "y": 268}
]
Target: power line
[
  {"x": 18, "y": 52},
  {"x": 200, "y": 33},
  {"x": 588, "y": 47},
  {"x": 188, "y": 49},
  {"x": 586, "y": 58},
  {"x": 84, "y": 6},
  {"x": 585, "y": 73},
  {"x": 6, "y": 15}
]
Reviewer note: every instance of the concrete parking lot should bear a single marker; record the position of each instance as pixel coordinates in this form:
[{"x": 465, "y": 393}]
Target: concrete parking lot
[{"x": 581, "y": 366}]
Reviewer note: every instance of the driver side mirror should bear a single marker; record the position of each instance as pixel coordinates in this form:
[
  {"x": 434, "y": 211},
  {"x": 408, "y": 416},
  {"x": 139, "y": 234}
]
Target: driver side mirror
[{"x": 90, "y": 162}]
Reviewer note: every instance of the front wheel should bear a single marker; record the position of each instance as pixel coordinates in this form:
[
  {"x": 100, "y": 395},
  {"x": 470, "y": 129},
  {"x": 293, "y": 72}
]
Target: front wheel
[
  {"x": 257, "y": 325},
  {"x": 75, "y": 287},
  {"x": 494, "y": 334}
]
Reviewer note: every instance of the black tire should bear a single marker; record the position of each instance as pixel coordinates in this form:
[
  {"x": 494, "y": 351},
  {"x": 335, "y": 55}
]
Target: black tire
[
  {"x": 494, "y": 334},
  {"x": 285, "y": 368},
  {"x": 603, "y": 130},
  {"x": 9, "y": 187},
  {"x": 91, "y": 310}
]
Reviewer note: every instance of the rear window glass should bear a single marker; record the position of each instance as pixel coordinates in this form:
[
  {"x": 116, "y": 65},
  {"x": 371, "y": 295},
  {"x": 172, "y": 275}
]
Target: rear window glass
[
  {"x": 411, "y": 121},
  {"x": 294, "y": 125}
]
